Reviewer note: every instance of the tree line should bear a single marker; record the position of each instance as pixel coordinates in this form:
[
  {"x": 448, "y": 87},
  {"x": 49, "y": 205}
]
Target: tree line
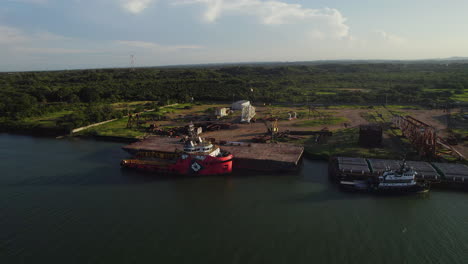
[{"x": 29, "y": 94}]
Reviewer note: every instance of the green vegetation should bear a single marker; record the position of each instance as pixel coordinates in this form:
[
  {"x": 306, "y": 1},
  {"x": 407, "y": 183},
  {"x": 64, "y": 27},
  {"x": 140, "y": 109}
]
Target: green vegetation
[
  {"x": 42, "y": 98},
  {"x": 345, "y": 143},
  {"x": 176, "y": 108},
  {"x": 117, "y": 128},
  {"x": 461, "y": 95},
  {"x": 459, "y": 125},
  {"x": 329, "y": 120},
  {"x": 48, "y": 119},
  {"x": 325, "y": 93},
  {"x": 85, "y": 116}
]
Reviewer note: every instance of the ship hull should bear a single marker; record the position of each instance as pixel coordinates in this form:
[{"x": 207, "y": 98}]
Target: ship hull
[
  {"x": 363, "y": 186},
  {"x": 184, "y": 165}
]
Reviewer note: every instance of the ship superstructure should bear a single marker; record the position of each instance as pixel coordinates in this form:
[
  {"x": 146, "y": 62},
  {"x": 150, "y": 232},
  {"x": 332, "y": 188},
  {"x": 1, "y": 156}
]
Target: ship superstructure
[
  {"x": 369, "y": 175},
  {"x": 198, "y": 157},
  {"x": 402, "y": 178}
]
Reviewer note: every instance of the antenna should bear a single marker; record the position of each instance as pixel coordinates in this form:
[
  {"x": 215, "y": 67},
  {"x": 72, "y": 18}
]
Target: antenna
[{"x": 132, "y": 62}]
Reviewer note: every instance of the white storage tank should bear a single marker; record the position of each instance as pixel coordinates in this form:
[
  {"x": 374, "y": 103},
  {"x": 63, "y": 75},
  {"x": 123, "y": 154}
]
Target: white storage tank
[
  {"x": 221, "y": 111},
  {"x": 239, "y": 105}
]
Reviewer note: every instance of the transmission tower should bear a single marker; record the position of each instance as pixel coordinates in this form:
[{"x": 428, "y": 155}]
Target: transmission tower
[{"x": 132, "y": 62}]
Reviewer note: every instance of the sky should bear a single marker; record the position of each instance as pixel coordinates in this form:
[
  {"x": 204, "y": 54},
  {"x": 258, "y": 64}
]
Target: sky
[{"x": 77, "y": 34}]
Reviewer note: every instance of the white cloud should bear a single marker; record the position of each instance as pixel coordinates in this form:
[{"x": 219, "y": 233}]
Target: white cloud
[
  {"x": 47, "y": 36},
  {"x": 135, "y": 6},
  {"x": 30, "y": 1},
  {"x": 154, "y": 47},
  {"x": 11, "y": 35},
  {"x": 390, "y": 38},
  {"x": 14, "y": 36},
  {"x": 32, "y": 50},
  {"x": 326, "y": 21},
  {"x": 316, "y": 35},
  {"x": 43, "y": 42}
]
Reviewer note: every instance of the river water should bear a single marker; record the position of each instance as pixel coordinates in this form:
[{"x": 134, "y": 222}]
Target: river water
[{"x": 67, "y": 201}]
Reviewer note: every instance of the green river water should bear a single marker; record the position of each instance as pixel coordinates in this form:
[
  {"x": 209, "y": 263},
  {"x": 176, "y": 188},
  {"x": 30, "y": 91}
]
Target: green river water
[{"x": 68, "y": 201}]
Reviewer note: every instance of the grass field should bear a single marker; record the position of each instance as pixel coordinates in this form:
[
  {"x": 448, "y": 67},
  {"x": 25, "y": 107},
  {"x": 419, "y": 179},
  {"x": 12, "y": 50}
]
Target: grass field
[
  {"x": 325, "y": 93},
  {"x": 117, "y": 128},
  {"x": 331, "y": 120},
  {"x": 457, "y": 97},
  {"x": 344, "y": 142},
  {"x": 47, "y": 120},
  {"x": 129, "y": 105},
  {"x": 461, "y": 97},
  {"x": 382, "y": 115}
]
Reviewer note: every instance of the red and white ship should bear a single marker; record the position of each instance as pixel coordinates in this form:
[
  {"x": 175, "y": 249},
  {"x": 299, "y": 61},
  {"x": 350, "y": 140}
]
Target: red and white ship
[{"x": 199, "y": 157}]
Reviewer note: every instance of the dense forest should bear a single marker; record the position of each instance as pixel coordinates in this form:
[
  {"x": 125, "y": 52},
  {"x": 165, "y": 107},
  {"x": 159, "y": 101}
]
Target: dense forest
[{"x": 29, "y": 94}]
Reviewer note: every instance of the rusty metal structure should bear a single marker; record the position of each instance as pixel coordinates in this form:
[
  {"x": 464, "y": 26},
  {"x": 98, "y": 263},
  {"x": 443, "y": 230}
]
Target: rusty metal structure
[
  {"x": 133, "y": 120},
  {"x": 424, "y": 138}
]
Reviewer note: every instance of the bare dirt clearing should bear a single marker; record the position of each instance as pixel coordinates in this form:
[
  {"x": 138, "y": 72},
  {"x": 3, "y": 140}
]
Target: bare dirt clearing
[{"x": 334, "y": 119}]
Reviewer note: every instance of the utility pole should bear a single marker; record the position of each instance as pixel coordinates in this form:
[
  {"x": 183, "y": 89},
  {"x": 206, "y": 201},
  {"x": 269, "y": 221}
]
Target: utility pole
[
  {"x": 449, "y": 117},
  {"x": 252, "y": 98}
]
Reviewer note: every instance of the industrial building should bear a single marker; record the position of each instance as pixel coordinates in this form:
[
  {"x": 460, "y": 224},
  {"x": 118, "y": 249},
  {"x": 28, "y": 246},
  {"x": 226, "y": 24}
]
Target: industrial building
[{"x": 370, "y": 135}]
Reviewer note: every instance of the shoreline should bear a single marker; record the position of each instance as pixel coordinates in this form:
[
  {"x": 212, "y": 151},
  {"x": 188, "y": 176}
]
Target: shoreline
[
  {"x": 48, "y": 134},
  {"x": 442, "y": 185},
  {"x": 35, "y": 131},
  {"x": 118, "y": 139}
]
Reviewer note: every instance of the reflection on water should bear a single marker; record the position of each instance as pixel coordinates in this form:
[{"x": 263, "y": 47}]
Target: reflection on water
[{"x": 68, "y": 201}]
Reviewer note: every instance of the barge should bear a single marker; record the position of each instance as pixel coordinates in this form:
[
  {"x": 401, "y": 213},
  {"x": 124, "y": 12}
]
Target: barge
[
  {"x": 454, "y": 175},
  {"x": 248, "y": 156},
  {"x": 395, "y": 176},
  {"x": 375, "y": 175}
]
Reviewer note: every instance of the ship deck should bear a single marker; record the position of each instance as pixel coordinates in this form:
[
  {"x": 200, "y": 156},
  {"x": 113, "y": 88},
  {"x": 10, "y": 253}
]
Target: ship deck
[
  {"x": 256, "y": 156},
  {"x": 355, "y": 166}
]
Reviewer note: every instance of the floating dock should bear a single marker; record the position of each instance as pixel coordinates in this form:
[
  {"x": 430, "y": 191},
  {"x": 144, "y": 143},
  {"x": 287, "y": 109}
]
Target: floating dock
[
  {"x": 354, "y": 166},
  {"x": 252, "y": 156},
  {"x": 350, "y": 169},
  {"x": 453, "y": 173}
]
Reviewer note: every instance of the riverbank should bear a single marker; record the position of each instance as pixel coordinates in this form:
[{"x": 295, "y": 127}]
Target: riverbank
[
  {"x": 22, "y": 128},
  {"x": 341, "y": 121}
]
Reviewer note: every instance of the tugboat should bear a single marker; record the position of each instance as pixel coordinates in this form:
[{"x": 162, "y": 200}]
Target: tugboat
[
  {"x": 198, "y": 157},
  {"x": 401, "y": 180}
]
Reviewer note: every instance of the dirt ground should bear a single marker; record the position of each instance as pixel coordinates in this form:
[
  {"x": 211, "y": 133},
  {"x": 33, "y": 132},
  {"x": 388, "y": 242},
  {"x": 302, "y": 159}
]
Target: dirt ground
[
  {"x": 245, "y": 132},
  {"x": 351, "y": 117}
]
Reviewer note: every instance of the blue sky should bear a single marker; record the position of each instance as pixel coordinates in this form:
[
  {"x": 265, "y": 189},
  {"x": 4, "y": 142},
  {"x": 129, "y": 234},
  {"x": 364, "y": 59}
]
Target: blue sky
[{"x": 70, "y": 34}]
